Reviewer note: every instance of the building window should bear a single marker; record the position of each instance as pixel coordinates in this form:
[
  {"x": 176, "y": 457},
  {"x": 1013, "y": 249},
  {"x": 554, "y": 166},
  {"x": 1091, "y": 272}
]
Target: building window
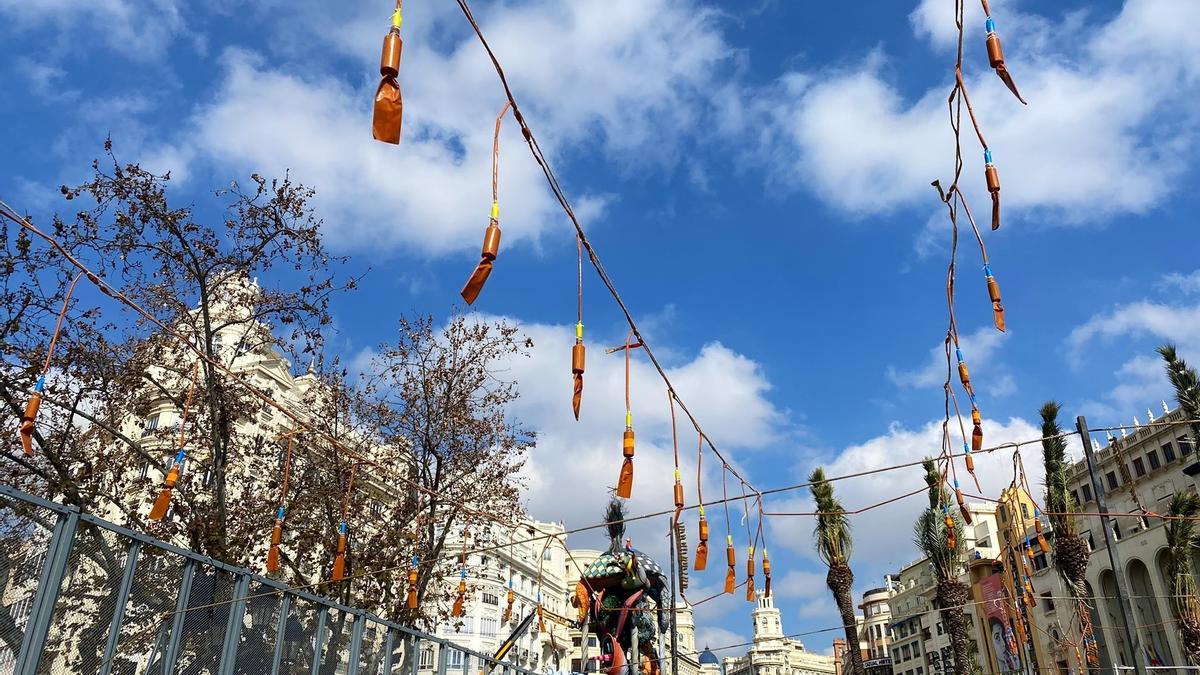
[
  {"x": 1139, "y": 467},
  {"x": 1087, "y": 493},
  {"x": 456, "y": 659},
  {"x": 1168, "y": 452},
  {"x": 1113, "y": 483},
  {"x": 1116, "y": 531},
  {"x": 939, "y": 628},
  {"x": 1024, "y": 511},
  {"x": 1075, "y": 497},
  {"x": 1152, "y": 457},
  {"x": 896, "y": 654},
  {"x": 491, "y": 599},
  {"x": 1185, "y": 445},
  {"x": 426, "y": 658},
  {"x": 1047, "y": 602},
  {"x": 145, "y": 470},
  {"x": 487, "y": 627},
  {"x": 1090, "y": 541},
  {"x": 150, "y": 425},
  {"x": 1039, "y": 562}
]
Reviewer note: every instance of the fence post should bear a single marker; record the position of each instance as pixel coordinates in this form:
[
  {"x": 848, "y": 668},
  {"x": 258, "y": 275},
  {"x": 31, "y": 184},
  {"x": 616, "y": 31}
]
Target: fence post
[
  {"x": 319, "y": 640},
  {"x": 114, "y": 627},
  {"x": 58, "y": 553},
  {"x": 414, "y": 658},
  {"x": 285, "y": 606},
  {"x": 181, "y": 605},
  {"x": 233, "y": 626},
  {"x": 388, "y": 646},
  {"x": 443, "y": 657},
  {"x": 356, "y": 637}
]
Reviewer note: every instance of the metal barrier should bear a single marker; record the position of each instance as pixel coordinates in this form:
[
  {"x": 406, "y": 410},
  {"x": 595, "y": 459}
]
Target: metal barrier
[{"x": 82, "y": 595}]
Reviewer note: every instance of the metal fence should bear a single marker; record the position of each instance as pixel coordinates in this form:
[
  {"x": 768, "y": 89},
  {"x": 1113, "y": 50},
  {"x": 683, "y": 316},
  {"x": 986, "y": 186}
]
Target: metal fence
[{"x": 82, "y": 595}]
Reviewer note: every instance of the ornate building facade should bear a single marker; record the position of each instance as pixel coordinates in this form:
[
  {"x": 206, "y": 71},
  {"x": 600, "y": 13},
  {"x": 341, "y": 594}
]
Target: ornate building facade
[{"x": 774, "y": 654}]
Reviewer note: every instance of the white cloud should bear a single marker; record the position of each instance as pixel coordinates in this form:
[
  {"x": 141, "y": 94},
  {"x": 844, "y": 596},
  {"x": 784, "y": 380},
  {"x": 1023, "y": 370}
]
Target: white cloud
[
  {"x": 141, "y": 31},
  {"x": 1103, "y": 132},
  {"x": 1184, "y": 283},
  {"x": 1180, "y": 324},
  {"x": 615, "y": 76},
  {"x": 716, "y": 638},
  {"x": 1142, "y": 386}
]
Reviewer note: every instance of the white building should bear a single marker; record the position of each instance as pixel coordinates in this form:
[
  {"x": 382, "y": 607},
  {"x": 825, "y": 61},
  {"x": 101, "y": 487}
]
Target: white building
[
  {"x": 517, "y": 565},
  {"x": 919, "y": 642},
  {"x": 1153, "y": 462},
  {"x": 873, "y": 634},
  {"x": 772, "y": 653}
]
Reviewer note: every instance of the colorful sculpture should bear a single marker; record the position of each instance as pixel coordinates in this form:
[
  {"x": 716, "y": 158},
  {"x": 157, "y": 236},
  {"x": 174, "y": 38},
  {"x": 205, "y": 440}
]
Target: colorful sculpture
[{"x": 618, "y": 597}]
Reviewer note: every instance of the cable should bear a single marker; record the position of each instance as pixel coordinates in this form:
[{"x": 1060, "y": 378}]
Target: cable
[{"x": 593, "y": 257}]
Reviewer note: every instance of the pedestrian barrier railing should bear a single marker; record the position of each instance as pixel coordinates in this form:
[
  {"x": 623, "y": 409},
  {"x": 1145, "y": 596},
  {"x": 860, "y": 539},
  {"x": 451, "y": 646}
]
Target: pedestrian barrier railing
[{"x": 82, "y": 595}]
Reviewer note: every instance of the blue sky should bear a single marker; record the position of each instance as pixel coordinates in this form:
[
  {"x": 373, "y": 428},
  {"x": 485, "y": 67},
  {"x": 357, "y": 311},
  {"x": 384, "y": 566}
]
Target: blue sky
[{"x": 755, "y": 176}]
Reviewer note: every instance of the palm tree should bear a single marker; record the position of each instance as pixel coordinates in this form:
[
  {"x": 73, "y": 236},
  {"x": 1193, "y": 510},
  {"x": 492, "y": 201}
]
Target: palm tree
[
  {"x": 950, "y": 594},
  {"x": 834, "y": 544},
  {"x": 1185, "y": 603},
  {"x": 1070, "y": 549},
  {"x": 1187, "y": 388}
]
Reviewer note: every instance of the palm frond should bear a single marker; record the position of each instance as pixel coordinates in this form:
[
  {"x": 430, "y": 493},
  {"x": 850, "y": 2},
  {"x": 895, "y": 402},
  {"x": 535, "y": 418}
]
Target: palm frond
[{"x": 832, "y": 533}]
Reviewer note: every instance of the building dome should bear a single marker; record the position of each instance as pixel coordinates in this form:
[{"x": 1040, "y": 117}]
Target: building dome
[{"x": 709, "y": 658}]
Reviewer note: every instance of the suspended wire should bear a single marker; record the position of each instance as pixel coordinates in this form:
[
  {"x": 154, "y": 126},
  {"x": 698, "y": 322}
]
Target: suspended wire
[{"x": 593, "y": 256}]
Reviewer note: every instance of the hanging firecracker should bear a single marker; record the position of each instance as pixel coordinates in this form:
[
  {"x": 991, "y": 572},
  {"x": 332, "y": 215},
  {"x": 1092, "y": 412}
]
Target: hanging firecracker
[
  {"x": 766, "y": 574},
  {"x": 163, "y": 501},
  {"x": 578, "y": 357},
  {"x": 962, "y": 505},
  {"x": 992, "y": 177},
  {"x": 702, "y": 547},
  {"x": 731, "y": 558},
  {"x": 993, "y": 289},
  {"x": 281, "y": 512},
  {"x": 459, "y": 600},
  {"x": 976, "y": 430},
  {"x": 1037, "y": 527},
  {"x": 995, "y": 54},
  {"x": 625, "y": 479},
  {"x": 578, "y": 351},
  {"x": 951, "y": 538},
  {"x": 491, "y": 236},
  {"x": 750, "y": 574},
  {"x": 389, "y": 107},
  {"x": 343, "y": 540},
  {"x": 508, "y": 608},
  {"x": 410, "y": 599},
  {"x": 29, "y": 417}
]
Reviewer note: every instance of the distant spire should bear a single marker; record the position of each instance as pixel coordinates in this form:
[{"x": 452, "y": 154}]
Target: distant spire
[{"x": 312, "y": 365}]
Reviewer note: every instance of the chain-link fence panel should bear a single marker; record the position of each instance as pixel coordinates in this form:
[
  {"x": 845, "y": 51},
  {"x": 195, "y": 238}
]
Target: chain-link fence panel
[
  {"x": 399, "y": 653},
  {"x": 260, "y": 625},
  {"x": 149, "y": 613},
  {"x": 335, "y": 650},
  {"x": 25, "y": 532},
  {"x": 88, "y": 596},
  {"x": 205, "y": 621},
  {"x": 299, "y": 638},
  {"x": 370, "y": 656}
]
